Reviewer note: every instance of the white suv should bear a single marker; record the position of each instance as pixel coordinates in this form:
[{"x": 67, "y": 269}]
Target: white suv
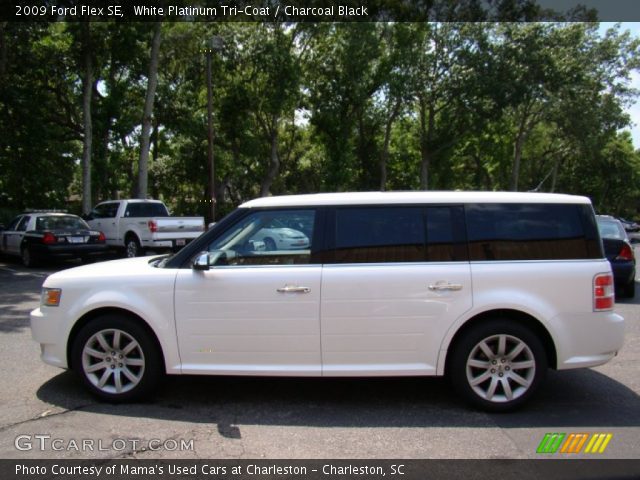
[{"x": 489, "y": 289}]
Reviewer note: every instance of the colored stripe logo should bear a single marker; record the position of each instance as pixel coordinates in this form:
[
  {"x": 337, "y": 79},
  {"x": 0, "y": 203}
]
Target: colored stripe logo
[{"x": 574, "y": 443}]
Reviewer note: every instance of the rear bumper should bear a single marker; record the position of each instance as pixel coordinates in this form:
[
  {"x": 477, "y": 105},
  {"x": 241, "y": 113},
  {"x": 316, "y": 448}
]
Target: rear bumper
[
  {"x": 588, "y": 340},
  {"x": 69, "y": 250},
  {"x": 623, "y": 272}
]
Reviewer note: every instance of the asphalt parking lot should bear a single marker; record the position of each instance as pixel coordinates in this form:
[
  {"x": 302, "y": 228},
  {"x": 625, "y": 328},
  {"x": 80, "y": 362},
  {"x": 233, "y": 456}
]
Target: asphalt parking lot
[{"x": 45, "y": 413}]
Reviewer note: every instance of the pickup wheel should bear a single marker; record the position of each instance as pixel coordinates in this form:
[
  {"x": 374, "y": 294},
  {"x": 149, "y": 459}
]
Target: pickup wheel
[
  {"x": 132, "y": 247},
  {"x": 497, "y": 365},
  {"x": 117, "y": 359}
]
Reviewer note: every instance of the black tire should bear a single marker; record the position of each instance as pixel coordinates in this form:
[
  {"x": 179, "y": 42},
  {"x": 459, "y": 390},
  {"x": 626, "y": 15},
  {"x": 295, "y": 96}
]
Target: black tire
[
  {"x": 501, "y": 382},
  {"x": 270, "y": 244},
  {"x": 132, "y": 247},
  {"x": 629, "y": 290},
  {"x": 28, "y": 258},
  {"x": 132, "y": 373}
]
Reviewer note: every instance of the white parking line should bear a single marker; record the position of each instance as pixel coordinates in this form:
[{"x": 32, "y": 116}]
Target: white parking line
[{"x": 23, "y": 274}]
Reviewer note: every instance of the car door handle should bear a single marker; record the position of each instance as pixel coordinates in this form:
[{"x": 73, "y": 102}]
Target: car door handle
[
  {"x": 445, "y": 286},
  {"x": 293, "y": 289}
]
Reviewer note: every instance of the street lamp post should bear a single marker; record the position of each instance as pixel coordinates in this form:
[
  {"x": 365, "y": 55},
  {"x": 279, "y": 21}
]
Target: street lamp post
[{"x": 214, "y": 44}]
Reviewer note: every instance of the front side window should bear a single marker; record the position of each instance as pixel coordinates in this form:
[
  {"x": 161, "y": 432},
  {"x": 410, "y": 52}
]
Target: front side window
[
  {"x": 22, "y": 226},
  {"x": 105, "y": 210},
  {"x": 14, "y": 223},
  {"x": 266, "y": 237},
  {"x": 379, "y": 235}
]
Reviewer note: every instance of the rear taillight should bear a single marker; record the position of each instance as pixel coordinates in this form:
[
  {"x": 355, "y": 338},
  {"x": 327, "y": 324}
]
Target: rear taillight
[
  {"x": 603, "y": 292},
  {"x": 153, "y": 226},
  {"x": 101, "y": 238},
  {"x": 49, "y": 238},
  {"x": 626, "y": 253}
]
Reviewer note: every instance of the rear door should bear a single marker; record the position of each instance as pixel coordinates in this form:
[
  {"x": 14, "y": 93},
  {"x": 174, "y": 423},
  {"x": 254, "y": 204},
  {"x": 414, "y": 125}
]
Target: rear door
[{"x": 396, "y": 278}]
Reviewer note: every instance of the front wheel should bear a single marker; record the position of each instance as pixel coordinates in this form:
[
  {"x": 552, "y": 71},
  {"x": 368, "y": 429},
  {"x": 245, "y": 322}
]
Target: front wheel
[
  {"x": 117, "y": 359},
  {"x": 498, "y": 365},
  {"x": 28, "y": 260}
]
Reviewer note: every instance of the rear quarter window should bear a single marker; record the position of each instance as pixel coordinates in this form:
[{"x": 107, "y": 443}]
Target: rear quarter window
[{"x": 532, "y": 232}]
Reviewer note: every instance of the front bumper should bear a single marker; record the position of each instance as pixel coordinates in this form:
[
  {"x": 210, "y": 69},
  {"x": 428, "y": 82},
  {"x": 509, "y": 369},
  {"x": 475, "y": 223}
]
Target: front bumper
[{"x": 46, "y": 331}]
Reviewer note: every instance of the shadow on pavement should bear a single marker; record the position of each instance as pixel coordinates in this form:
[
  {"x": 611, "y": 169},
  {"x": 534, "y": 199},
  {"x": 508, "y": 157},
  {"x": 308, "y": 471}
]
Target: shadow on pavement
[{"x": 580, "y": 398}]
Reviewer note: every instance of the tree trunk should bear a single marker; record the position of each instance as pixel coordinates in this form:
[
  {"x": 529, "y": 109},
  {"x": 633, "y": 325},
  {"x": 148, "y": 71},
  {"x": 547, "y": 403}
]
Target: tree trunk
[
  {"x": 384, "y": 157},
  {"x": 274, "y": 163},
  {"x": 427, "y": 121},
  {"x": 3, "y": 50},
  {"x": 517, "y": 151},
  {"x": 87, "y": 92},
  {"x": 152, "y": 82}
]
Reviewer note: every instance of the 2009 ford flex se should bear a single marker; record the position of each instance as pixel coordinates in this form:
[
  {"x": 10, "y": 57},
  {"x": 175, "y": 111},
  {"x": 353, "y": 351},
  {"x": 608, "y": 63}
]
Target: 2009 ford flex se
[{"x": 490, "y": 289}]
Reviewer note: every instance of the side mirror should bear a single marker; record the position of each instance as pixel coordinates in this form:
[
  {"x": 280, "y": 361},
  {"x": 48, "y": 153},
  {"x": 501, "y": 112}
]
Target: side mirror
[
  {"x": 201, "y": 262},
  {"x": 204, "y": 260}
]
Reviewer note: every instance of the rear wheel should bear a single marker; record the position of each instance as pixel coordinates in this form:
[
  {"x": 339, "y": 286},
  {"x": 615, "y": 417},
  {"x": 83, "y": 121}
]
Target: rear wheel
[
  {"x": 117, "y": 359},
  {"x": 498, "y": 365},
  {"x": 133, "y": 248},
  {"x": 629, "y": 290}
]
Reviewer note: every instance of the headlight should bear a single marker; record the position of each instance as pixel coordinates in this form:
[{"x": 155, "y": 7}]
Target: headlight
[{"x": 50, "y": 297}]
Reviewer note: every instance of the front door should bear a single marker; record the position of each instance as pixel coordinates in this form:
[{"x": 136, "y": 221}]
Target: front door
[{"x": 256, "y": 310}]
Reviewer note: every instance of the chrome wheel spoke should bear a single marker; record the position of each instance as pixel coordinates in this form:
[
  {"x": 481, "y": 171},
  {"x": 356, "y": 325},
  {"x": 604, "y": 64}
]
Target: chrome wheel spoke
[
  {"x": 518, "y": 379},
  {"x": 94, "y": 353},
  {"x": 118, "y": 380},
  {"x": 479, "y": 364},
  {"x": 492, "y": 388},
  {"x": 507, "y": 388},
  {"x": 129, "y": 348},
  {"x": 130, "y": 375},
  {"x": 502, "y": 345},
  {"x": 522, "y": 365},
  {"x": 481, "y": 378},
  {"x": 116, "y": 340},
  {"x": 486, "y": 350},
  {"x": 134, "y": 362},
  {"x": 96, "y": 366},
  {"x": 103, "y": 342},
  {"x": 105, "y": 376},
  {"x": 517, "y": 350}
]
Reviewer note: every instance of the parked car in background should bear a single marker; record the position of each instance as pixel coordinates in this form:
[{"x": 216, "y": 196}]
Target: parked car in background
[
  {"x": 39, "y": 236},
  {"x": 619, "y": 252},
  {"x": 629, "y": 225},
  {"x": 135, "y": 225}
]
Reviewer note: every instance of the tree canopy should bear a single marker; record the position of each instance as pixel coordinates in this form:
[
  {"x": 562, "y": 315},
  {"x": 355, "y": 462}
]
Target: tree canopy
[{"x": 301, "y": 108}]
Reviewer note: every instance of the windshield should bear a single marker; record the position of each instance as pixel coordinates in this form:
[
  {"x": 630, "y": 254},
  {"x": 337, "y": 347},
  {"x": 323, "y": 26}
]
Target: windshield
[{"x": 61, "y": 222}]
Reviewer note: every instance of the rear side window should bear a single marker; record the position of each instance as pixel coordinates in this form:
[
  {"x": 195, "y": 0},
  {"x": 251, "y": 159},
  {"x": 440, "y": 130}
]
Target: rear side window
[
  {"x": 139, "y": 210},
  {"x": 532, "y": 232}
]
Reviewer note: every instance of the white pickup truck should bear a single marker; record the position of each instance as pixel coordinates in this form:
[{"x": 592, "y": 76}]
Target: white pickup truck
[{"x": 136, "y": 225}]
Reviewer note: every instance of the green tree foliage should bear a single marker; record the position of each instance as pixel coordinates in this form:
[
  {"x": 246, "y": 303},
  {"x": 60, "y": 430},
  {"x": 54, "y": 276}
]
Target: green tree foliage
[{"x": 301, "y": 108}]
